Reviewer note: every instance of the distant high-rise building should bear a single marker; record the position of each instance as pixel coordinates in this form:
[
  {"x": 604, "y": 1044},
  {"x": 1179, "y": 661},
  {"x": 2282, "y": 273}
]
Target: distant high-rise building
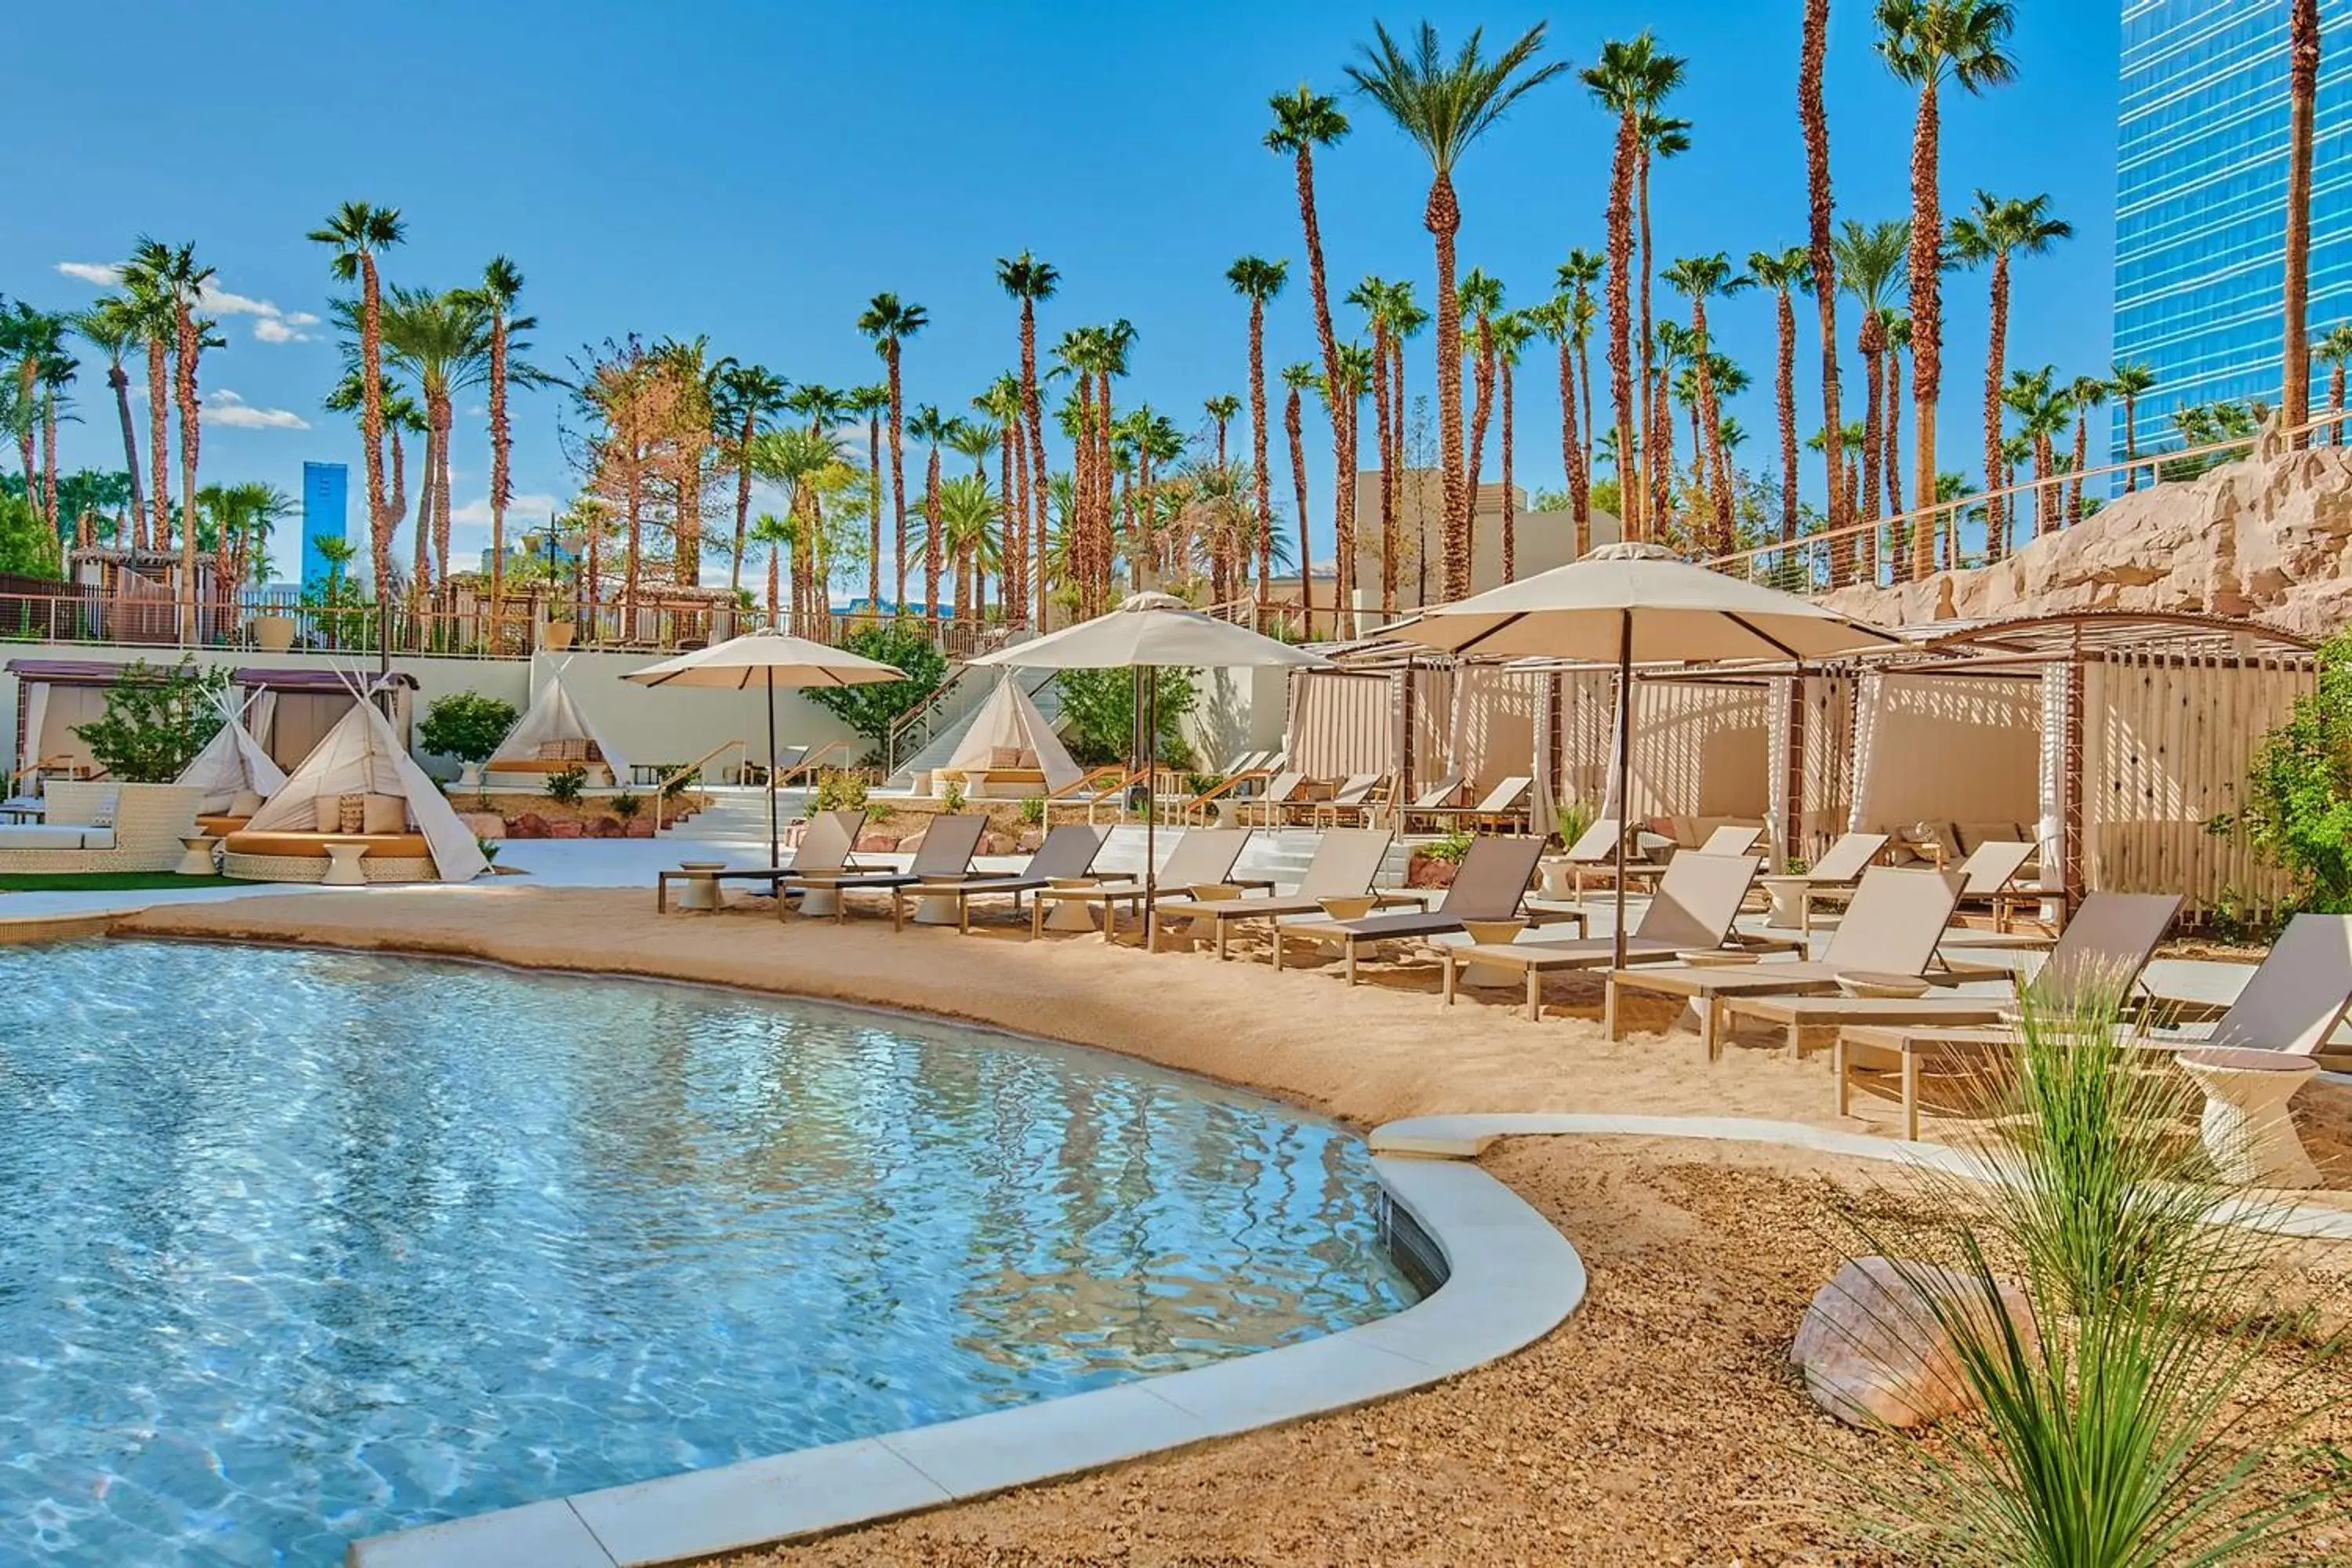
[
  {"x": 326, "y": 514},
  {"x": 2200, "y": 208}
]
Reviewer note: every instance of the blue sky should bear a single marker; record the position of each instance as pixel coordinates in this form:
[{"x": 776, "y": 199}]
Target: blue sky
[{"x": 755, "y": 172}]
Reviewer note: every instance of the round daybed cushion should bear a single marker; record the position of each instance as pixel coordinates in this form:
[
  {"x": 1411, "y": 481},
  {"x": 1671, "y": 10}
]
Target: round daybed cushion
[{"x": 313, "y": 846}]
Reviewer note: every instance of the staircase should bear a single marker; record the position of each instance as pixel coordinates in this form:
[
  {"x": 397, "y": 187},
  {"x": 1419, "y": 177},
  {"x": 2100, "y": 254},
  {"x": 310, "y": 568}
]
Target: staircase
[
  {"x": 736, "y": 814},
  {"x": 928, "y": 738}
]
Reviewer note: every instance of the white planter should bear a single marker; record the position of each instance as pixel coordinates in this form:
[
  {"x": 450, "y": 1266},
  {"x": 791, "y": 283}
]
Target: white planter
[
  {"x": 272, "y": 633},
  {"x": 470, "y": 776}
]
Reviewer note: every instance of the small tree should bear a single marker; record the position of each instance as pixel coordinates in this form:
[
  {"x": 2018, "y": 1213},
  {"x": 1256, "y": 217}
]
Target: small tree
[
  {"x": 157, "y": 717},
  {"x": 466, "y": 725},
  {"x": 872, "y": 709},
  {"x": 2298, "y": 807},
  {"x": 564, "y": 784},
  {"x": 1098, "y": 707}
]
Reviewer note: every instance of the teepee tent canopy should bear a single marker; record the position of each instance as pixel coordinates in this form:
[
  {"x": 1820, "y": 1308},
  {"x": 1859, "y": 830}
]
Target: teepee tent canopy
[
  {"x": 232, "y": 763},
  {"x": 1009, "y": 721},
  {"x": 555, "y": 716},
  {"x": 361, "y": 756}
]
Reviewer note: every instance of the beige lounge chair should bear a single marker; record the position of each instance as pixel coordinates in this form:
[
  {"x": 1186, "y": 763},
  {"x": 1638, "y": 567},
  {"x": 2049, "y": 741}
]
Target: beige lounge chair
[
  {"x": 1282, "y": 792},
  {"x": 1444, "y": 793},
  {"x": 1346, "y": 860},
  {"x": 829, "y": 843},
  {"x": 1354, "y": 802},
  {"x": 1491, "y": 884},
  {"x": 1697, "y": 899},
  {"x": 945, "y": 851},
  {"x": 1897, "y": 917},
  {"x": 1202, "y": 856},
  {"x": 1067, "y": 855},
  {"x": 1501, "y": 808},
  {"x": 2290, "y": 1006},
  {"x": 1841, "y": 866},
  {"x": 1985, "y": 875},
  {"x": 1729, "y": 839}
]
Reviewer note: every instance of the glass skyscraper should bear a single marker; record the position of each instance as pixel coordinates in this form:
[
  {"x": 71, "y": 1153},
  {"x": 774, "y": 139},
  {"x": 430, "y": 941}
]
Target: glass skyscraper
[{"x": 2200, "y": 208}]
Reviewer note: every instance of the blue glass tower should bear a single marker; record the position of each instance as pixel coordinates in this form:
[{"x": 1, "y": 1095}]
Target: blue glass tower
[
  {"x": 2200, "y": 208},
  {"x": 326, "y": 514}
]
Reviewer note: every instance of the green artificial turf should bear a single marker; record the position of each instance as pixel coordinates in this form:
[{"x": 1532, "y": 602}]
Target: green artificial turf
[{"x": 106, "y": 881}]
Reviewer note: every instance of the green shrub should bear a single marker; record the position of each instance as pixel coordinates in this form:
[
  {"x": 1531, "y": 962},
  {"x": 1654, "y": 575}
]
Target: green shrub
[
  {"x": 466, "y": 725},
  {"x": 952, "y": 798},
  {"x": 157, "y": 718},
  {"x": 1572, "y": 823},
  {"x": 1098, "y": 712},
  {"x": 872, "y": 709},
  {"x": 1452, "y": 848},
  {"x": 1033, "y": 810},
  {"x": 680, "y": 784},
  {"x": 564, "y": 784},
  {"x": 837, "y": 790},
  {"x": 489, "y": 848},
  {"x": 2298, "y": 809},
  {"x": 626, "y": 805}
]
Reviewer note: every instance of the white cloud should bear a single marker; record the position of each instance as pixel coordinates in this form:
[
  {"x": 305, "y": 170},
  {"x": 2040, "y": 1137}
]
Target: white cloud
[
  {"x": 301, "y": 318},
  {"x": 223, "y": 406},
  {"x": 105, "y": 274},
  {"x": 270, "y": 330},
  {"x": 533, "y": 510},
  {"x": 270, "y": 324}
]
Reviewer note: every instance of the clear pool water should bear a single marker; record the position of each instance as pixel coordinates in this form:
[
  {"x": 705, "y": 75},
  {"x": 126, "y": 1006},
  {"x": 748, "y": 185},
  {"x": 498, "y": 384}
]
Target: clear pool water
[{"x": 296, "y": 1248}]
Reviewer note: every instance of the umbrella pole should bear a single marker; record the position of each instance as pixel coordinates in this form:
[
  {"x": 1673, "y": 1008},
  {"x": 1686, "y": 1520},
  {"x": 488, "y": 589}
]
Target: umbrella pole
[
  {"x": 776, "y": 848},
  {"x": 1624, "y": 773},
  {"x": 1150, "y": 805}
]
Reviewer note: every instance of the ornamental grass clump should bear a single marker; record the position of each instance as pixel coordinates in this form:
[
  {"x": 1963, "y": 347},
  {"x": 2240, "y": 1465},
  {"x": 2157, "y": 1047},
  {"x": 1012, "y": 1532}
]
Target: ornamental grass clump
[{"x": 2151, "y": 1410}]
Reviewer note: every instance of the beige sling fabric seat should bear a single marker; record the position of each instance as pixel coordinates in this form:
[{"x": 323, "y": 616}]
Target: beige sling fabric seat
[
  {"x": 1985, "y": 876},
  {"x": 1282, "y": 793},
  {"x": 946, "y": 850},
  {"x": 1501, "y": 808},
  {"x": 1732, "y": 838},
  {"x": 1898, "y": 916},
  {"x": 1698, "y": 896},
  {"x": 828, "y": 843},
  {"x": 1202, "y": 856},
  {"x": 1068, "y": 853},
  {"x": 1491, "y": 884},
  {"x": 1346, "y": 860},
  {"x": 1355, "y": 801}
]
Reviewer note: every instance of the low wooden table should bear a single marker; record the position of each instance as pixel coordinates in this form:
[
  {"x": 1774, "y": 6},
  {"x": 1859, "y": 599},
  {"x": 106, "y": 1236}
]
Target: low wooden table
[
  {"x": 197, "y": 859},
  {"x": 343, "y": 857}
]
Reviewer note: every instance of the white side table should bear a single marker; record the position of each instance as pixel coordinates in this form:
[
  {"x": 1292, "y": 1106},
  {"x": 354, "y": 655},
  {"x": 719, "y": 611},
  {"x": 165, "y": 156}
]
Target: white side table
[
  {"x": 343, "y": 857},
  {"x": 1492, "y": 933},
  {"x": 701, "y": 889},
  {"x": 1071, "y": 914},
  {"x": 2248, "y": 1128},
  {"x": 935, "y": 909},
  {"x": 197, "y": 859},
  {"x": 1788, "y": 901}
]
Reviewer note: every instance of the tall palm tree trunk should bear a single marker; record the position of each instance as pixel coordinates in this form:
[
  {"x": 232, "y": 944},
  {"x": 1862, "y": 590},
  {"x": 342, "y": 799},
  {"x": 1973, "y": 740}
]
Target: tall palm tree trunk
[
  {"x": 1257, "y": 458},
  {"x": 2082, "y": 456},
  {"x": 1786, "y": 397},
  {"x": 1510, "y": 502},
  {"x": 898, "y": 416},
  {"x": 1292, "y": 427},
  {"x": 1008, "y": 443},
  {"x": 1814, "y": 114},
  {"x": 382, "y": 516},
  {"x": 2335, "y": 403},
  {"x": 931, "y": 534},
  {"x": 117, "y": 378},
  {"x": 1718, "y": 477},
  {"x": 1874, "y": 373},
  {"x": 1384, "y": 442},
  {"x": 2303, "y": 95},
  {"x": 1995, "y": 372},
  {"x": 1891, "y": 428},
  {"x": 1347, "y": 421},
  {"x": 184, "y": 392},
  {"x": 1303, "y": 173},
  {"x": 2131, "y": 442},
  {"x": 1661, "y": 463},
  {"x": 159, "y": 469},
  {"x": 1621, "y": 308},
  {"x": 1571, "y": 454},
  {"x": 1033, "y": 593},
  {"x": 1475, "y": 459},
  {"x": 1442, "y": 217},
  {"x": 1926, "y": 290},
  {"x": 501, "y": 448}
]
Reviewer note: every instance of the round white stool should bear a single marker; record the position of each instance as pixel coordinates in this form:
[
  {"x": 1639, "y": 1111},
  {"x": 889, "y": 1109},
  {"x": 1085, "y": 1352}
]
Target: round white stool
[
  {"x": 701, "y": 890},
  {"x": 197, "y": 860},
  {"x": 343, "y": 857},
  {"x": 1493, "y": 976},
  {"x": 935, "y": 909},
  {"x": 2248, "y": 1128}
]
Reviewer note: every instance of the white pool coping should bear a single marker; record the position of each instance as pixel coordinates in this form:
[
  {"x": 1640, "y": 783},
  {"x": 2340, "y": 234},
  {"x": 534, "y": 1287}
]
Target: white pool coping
[{"x": 1511, "y": 1278}]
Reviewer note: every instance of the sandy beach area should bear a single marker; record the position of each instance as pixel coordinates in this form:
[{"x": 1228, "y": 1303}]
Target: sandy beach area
[{"x": 1659, "y": 1424}]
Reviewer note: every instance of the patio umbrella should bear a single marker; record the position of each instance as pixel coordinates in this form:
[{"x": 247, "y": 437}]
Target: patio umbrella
[
  {"x": 1638, "y": 604},
  {"x": 1152, "y": 631},
  {"x": 767, "y": 659}
]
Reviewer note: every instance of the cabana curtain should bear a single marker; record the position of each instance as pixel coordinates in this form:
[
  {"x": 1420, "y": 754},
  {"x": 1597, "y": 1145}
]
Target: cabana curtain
[{"x": 1340, "y": 725}]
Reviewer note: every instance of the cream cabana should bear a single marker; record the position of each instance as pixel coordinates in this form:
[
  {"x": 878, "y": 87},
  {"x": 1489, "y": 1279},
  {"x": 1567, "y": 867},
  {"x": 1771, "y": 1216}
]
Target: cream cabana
[
  {"x": 358, "y": 810},
  {"x": 555, "y": 735},
  {"x": 234, "y": 771},
  {"x": 1009, "y": 750}
]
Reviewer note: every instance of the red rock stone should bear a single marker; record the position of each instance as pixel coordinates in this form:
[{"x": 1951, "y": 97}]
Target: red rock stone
[
  {"x": 638, "y": 828},
  {"x": 530, "y": 825},
  {"x": 564, "y": 830},
  {"x": 603, "y": 827},
  {"x": 1423, "y": 871},
  {"x": 486, "y": 825},
  {"x": 876, "y": 842}
]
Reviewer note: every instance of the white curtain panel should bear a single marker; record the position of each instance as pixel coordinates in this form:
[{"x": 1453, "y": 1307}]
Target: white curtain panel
[
  {"x": 1868, "y": 702},
  {"x": 33, "y": 696}
]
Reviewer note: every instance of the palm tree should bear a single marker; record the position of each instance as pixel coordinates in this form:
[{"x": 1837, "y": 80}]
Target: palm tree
[
  {"x": 1221, "y": 411},
  {"x": 1554, "y": 319},
  {"x": 501, "y": 287},
  {"x": 749, "y": 396},
  {"x": 1992, "y": 233},
  {"x": 1001, "y": 405},
  {"x": 1257, "y": 280},
  {"x": 150, "y": 299},
  {"x": 1868, "y": 258},
  {"x": 34, "y": 339},
  {"x": 168, "y": 279},
  {"x": 1924, "y": 42},
  {"x": 1895, "y": 330},
  {"x": 797, "y": 458},
  {"x": 1031, "y": 281},
  {"x": 2128, "y": 384},
  {"x": 1305, "y": 119},
  {"x": 2333, "y": 351},
  {"x": 57, "y": 374},
  {"x": 1355, "y": 380},
  {"x": 2035, "y": 399},
  {"x": 113, "y": 327},
  {"x": 1822, "y": 253},
  {"x": 442, "y": 341},
  {"x": 1511, "y": 334},
  {"x": 1577, "y": 277},
  {"x": 870, "y": 403},
  {"x": 243, "y": 517},
  {"x": 357, "y": 234},
  {"x": 1380, "y": 300},
  {"x": 1296, "y": 379},
  {"x": 1695, "y": 278},
  {"x": 966, "y": 525},
  {"x": 2303, "y": 103},
  {"x": 1482, "y": 301},
  {"x": 1444, "y": 108},
  {"x": 2086, "y": 393},
  {"x": 778, "y": 534},
  {"x": 1630, "y": 78},
  {"x": 926, "y": 425},
  {"x": 1658, "y": 136},
  {"x": 1784, "y": 272},
  {"x": 890, "y": 324}
]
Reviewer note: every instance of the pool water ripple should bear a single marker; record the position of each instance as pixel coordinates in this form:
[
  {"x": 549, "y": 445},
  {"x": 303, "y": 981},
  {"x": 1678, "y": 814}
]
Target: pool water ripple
[{"x": 300, "y": 1247}]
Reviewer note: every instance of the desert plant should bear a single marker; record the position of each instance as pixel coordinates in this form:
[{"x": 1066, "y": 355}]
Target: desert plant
[
  {"x": 1033, "y": 811},
  {"x": 489, "y": 848},
  {"x": 838, "y": 790},
  {"x": 680, "y": 784},
  {"x": 2298, "y": 807},
  {"x": 565, "y": 784},
  {"x": 626, "y": 805},
  {"x": 157, "y": 718},
  {"x": 2153, "y": 1411},
  {"x": 952, "y": 798},
  {"x": 466, "y": 725},
  {"x": 1572, "y": 822}
]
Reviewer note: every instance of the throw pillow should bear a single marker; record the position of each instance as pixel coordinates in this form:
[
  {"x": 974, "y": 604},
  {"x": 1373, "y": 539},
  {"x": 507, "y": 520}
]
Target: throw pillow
[
  {"x": 383, "y": 814},
  {"x": 246, "y": 803},
  {"x": 551, "y": 751},
  {"x": 351, "y": 813},
  {"x": 1005, "y": 756}
]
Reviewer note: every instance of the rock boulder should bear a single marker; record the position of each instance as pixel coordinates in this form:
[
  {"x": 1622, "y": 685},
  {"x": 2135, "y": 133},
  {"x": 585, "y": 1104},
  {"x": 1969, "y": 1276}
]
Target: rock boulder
[
  {"x": 1873, "y": 1352},
  {"x": 530, "y": 825}
]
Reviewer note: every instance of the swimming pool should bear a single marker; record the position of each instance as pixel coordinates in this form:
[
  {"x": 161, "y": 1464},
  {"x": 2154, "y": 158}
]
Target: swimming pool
[{"x": 300, "y": 1247}]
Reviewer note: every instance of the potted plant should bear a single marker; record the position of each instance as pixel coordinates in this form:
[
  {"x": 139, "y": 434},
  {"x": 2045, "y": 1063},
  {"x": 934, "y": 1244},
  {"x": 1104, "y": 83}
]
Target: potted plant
[
  {"x": 467, "y": 726},
  {"x": 556, "y": 635},
  {"x": 272, "y": 633}
]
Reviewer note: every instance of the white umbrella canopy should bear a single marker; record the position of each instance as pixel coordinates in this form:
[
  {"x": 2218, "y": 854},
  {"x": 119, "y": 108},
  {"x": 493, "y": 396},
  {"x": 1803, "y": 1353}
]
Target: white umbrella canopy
[
  {"x": 1637, "y": 604},
  {"x": 767, "y": 659},
  {"x": 1153, "y": 629}
]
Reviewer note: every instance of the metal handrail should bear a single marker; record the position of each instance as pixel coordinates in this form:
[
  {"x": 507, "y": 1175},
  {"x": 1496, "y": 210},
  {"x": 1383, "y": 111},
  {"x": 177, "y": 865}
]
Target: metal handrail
[
  {"x": 807, "y": 765},
  {"x": 661, "y": 786}
]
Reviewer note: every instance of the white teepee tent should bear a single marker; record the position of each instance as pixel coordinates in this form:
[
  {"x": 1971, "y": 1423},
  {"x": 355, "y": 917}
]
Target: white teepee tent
[
  {"x": 1009, "y": 722},
  {"x": 361, "y": 756},
  {"x": 555, "y": 716},
  {"x": 232, "y": 763}
]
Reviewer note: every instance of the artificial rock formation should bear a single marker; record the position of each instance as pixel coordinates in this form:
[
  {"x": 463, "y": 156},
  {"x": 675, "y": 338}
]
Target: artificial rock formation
[
  {"x": 1873, "y": 1352},
  {"x": 2267, "y": 539}
]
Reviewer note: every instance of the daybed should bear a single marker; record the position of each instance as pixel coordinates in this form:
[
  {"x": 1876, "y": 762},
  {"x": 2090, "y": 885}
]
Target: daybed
[
  {"x": 102, "y": 828},
  {"x": 553, "y": 757}
]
